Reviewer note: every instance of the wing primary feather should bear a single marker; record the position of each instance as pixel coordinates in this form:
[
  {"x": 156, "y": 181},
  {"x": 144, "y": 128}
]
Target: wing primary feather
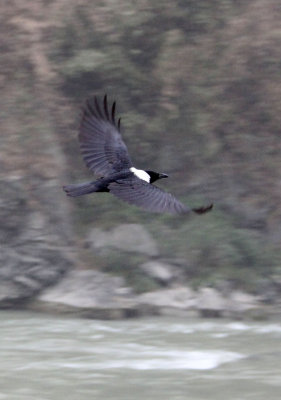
[
  {"x": 113, "y": 112},
  {"x": 203, "y": 210},
  {"x": 105, "y": 107},
  {"x": 119, "y": 124}
]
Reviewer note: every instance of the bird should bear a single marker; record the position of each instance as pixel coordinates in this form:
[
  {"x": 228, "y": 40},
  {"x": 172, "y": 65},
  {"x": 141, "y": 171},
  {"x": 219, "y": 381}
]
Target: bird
[{"x": 107, "y": 156}]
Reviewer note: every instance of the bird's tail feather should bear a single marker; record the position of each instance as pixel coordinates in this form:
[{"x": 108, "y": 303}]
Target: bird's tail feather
[{"x": 80, "y": 189}]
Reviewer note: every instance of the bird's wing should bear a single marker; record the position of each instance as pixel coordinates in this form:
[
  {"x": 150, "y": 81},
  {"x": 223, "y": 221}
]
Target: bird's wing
[
  {"x": 101, "y": 144},
  {"x": 149, "y": 197}
]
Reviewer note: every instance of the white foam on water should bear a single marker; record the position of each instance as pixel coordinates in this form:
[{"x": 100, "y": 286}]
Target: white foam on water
[
  {"x": 238, "y": 326},
  {"x": 271, "y": 328},
  {"x": 161, "y": 360}
]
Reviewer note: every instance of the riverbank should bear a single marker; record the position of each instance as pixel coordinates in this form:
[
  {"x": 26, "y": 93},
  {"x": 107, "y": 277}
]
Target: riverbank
[{"x": 93, "y": 294}]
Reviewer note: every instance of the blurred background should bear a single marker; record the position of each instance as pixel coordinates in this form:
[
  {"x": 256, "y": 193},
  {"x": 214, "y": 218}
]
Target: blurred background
[{"x": 198, "y": 87}]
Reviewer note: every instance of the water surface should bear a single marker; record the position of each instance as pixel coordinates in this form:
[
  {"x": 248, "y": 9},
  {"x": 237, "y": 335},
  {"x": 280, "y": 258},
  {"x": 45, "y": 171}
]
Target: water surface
[{"x": 54, "y": 358}]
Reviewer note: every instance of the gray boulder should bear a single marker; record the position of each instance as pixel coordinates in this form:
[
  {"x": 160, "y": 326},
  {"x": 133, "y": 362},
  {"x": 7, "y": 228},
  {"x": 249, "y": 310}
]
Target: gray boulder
[
  {"x": 88, "y": 293},
  {"x": 161, "y": 271},
  {"x": 210, "y": 302},
  {"x": 180, "y": 300},
  {"x": 243, "y": 304}
]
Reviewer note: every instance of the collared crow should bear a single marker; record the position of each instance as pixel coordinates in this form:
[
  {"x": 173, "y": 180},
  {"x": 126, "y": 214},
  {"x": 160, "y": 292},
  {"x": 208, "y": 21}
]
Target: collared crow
[{"x": 106, "y": 155}]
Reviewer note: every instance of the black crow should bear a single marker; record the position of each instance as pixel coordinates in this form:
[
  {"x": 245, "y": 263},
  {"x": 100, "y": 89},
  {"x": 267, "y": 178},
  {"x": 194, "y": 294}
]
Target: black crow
[{"x": 106, "y": 155}]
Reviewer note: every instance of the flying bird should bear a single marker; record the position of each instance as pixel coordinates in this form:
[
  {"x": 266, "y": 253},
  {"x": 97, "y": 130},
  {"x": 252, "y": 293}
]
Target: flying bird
[{"x": 106, "y": 155}]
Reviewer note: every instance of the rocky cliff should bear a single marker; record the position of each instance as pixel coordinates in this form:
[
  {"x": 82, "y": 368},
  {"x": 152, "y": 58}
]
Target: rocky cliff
[{"x": 199, "y": 82}]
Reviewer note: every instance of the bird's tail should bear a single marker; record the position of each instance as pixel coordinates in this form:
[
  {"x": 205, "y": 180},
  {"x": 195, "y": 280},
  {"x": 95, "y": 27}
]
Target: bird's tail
[{"x": 80, "y": 189}]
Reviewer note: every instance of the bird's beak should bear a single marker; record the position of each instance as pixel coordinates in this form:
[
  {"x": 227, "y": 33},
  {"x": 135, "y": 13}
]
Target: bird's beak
[{"x": 163, "y": 176}]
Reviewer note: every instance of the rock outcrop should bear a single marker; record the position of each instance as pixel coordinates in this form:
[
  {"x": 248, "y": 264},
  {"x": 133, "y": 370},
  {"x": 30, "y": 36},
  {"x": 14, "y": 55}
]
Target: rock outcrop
[
  {"x": 180, "y": 300},
  {"x": 33, "y": 252},
  {"x": 93, "y": 294},
  {"x": 210, "y": 302},
  {"x": 90, "y": 294},
  {"x": 161, "y": 271},
  {"x": 35, "y": 228}
]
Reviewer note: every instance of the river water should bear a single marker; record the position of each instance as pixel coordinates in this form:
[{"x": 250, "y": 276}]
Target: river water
[{"x": 50, "y": 357}]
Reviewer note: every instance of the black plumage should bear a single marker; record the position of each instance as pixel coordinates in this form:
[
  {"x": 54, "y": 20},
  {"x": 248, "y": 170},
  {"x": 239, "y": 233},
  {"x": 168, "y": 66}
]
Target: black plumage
[
  {"x": 100, "y": 140},
  {"x": 106, "y": 155}
]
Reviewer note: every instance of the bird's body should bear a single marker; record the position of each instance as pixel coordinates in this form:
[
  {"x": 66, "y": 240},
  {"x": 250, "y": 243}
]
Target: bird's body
[{"x": 106, "y": 155}]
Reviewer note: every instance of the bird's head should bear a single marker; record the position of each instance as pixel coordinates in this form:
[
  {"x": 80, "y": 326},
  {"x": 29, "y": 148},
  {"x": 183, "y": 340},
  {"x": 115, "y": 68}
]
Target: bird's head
[{"x": 154, "y": 176}]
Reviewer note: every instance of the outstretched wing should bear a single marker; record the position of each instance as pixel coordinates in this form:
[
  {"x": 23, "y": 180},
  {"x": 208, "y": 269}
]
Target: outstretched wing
[
  {"x": 101, "y": 144},
  {"x": 149, "y": 197}
]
